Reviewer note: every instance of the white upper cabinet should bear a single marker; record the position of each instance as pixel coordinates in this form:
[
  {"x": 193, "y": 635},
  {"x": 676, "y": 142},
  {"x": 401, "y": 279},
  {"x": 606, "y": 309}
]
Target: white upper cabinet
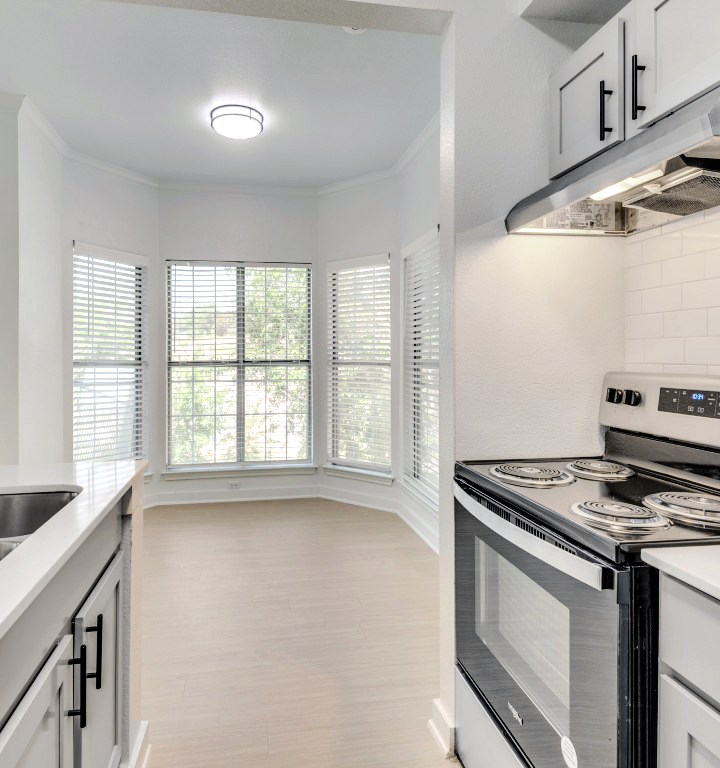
[
  {"x": 587, "y": 100},
  {"x": 677, "y": 44}
]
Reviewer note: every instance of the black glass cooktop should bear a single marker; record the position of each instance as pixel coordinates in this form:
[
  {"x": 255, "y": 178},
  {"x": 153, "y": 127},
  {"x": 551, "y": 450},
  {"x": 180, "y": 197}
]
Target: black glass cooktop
[{"x": 552, "y": 506}]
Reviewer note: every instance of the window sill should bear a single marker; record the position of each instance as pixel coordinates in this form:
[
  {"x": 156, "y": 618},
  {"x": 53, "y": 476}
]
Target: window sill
[
  {"x": 259, "y": 471},
  {"x": 354, "y": 473}
]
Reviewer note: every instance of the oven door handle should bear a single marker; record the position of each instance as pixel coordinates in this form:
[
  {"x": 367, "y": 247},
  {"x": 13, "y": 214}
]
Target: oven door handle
[{"x": 571, "y": 565}]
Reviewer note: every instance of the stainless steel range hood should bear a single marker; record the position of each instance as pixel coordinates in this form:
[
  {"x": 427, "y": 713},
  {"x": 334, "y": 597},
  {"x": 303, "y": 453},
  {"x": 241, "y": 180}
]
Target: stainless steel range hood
[{"x": 669, "y": 170}]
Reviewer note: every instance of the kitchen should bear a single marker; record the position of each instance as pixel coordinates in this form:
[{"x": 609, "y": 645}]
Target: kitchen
[{"x": 493, "y": 62}]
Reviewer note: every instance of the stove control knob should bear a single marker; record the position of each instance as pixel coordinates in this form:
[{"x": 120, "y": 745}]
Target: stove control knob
[
  {"x": 614, "y": 395},
  {"x": 632, "y": 397}
]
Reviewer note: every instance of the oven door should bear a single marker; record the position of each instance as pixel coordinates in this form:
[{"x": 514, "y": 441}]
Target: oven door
[{"x": 537, "y": 634}]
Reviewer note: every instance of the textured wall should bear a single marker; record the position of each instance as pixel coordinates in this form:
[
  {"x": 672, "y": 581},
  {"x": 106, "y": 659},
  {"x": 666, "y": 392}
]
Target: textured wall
[
  {"x": 672, "y": 298},
  {"x": 538, "y": 322}
]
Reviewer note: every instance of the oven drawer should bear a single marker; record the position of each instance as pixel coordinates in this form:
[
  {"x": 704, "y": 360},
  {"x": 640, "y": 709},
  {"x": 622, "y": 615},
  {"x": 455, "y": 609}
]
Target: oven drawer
[
  {"x": 689, "y": 628},
  {"x": 478, "y": 741}
]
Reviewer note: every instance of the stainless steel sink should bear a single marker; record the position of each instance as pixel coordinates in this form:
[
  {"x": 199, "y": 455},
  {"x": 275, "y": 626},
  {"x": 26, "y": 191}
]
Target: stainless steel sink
[
  {"x": 23, "y": 513},
  {"x": 6, "y": 547}
]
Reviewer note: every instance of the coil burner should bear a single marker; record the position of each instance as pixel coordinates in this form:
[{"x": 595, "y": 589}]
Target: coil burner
[
  {"x": 599, "y": 469},
  {"x": 699, "y": 510},
  {"x": 620, "y": 517},
  {"x": 531, "y": 477}
]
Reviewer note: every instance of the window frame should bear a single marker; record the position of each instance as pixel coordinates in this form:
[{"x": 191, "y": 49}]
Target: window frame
[
  {"x": 212, "y": 468},
  {"x": 334, "y": 461},
  {"x": 139, "y": 443}
]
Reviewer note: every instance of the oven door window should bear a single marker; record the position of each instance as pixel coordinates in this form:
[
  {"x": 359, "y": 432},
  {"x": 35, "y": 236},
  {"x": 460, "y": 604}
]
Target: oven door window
[
  {"x": 540, "y": 647},
  {"x": 527, "y": 630}
]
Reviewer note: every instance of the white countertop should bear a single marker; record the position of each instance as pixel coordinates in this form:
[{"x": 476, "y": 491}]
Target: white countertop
[
  {"x": 30, "y": 567},
  {"x": 698, "y": 566}
]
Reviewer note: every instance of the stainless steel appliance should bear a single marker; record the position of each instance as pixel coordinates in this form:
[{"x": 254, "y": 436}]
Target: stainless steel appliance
[
  {"x": 557, "y": 620},
  {"x": 667, "y": 171}
]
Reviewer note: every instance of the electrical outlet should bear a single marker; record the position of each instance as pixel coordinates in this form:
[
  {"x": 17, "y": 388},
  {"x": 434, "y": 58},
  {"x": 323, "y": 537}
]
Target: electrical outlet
[{"x": 233, "y": 485}]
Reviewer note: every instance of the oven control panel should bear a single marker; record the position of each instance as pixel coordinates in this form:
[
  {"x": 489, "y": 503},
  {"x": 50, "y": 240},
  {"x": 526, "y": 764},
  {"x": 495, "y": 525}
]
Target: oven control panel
[
  {"x": 662, "y": 404},
  {"x": 695, "y": 402}
]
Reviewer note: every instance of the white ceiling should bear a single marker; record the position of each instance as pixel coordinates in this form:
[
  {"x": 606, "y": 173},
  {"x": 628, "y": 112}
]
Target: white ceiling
[{"x": 133, "y": 85}]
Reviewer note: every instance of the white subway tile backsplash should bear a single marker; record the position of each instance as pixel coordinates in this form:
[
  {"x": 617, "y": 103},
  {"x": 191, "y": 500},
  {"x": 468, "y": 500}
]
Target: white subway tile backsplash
[
  {"x": 645, "y": 276},
  {"x": 644, "y": 326},
  {"x": 644, "y": 368},
  {"x": 661, "y": 248},
  {"x": 688, "y": 322},
  {"x": 705, "y": 237},
  {"x": 699, "y": 370},
  {"x": 702, "y": 293},
  {"x": 634, "y": 350},
  {"x": 672, "y": 299},
  {"x": 633, "y": 255},
  {"x": 713, "y": 322},
  {"x": 664, "y": 351},
  {"x": 704, "y": 350},
  {"x": 633, "y": 302},
  {"x": 684, "y": 269},
  {"x": 712, "y": 264},
  {"x": 686, "y": 222},
  {"x": 664, "y": 299}
]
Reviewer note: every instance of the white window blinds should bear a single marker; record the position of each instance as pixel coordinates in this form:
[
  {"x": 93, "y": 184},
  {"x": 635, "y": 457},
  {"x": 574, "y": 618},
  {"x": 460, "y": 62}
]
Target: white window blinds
[
  {"x": 239, "y": 370},
  {"x": 108, "y": 354},
  {"x": 359, "y": 363},
  {"x": 421, "y": 384}
]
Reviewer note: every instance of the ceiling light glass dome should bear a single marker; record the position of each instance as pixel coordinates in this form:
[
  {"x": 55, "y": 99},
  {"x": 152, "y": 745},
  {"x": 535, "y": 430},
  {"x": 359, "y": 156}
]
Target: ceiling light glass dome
[{"x": 236, "y": 121}]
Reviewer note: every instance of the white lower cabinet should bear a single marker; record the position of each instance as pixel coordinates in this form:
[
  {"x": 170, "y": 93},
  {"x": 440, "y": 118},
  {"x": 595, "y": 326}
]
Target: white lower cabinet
[
  {"x": 689, "y": 733},
  {"x": 97, "y": 626},
  {"x": 689, "y": 690},
  {"x": 40, "y": 732}
]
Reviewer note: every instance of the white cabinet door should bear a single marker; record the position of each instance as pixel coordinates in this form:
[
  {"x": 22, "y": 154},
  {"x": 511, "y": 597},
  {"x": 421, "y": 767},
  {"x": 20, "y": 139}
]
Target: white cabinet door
[
  {"x": 689, "y": 732},
  {"x": 97, "y": 627},
  {"x": 39, "y": 734},
  {"x": 677, "y": 43},
  {"x": 587, "y": 100}
]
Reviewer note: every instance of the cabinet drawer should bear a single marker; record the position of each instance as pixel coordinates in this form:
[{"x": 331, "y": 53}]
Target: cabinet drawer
[
  {"x": 689, "y": 628},
  {"x": 689, "y": 732}
]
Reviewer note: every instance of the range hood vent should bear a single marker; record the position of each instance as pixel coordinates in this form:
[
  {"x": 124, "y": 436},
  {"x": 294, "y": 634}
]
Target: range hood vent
[{"x": 667, "y": 171}]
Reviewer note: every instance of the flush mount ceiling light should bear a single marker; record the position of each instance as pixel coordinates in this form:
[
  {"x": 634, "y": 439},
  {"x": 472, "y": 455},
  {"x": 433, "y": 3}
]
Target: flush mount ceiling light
[
  {"x": 236, "y": 121},
  {"x": 355, "y": 30}
]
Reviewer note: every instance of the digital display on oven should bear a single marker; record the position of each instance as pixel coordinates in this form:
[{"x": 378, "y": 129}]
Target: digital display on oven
[{"x": 692, "y": 402}]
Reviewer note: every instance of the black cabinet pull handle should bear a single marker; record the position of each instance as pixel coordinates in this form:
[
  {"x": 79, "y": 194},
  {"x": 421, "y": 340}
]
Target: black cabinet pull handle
[
  {"x": 603, "y": 94},
  {"x": 634, "y": 87},
  {"x": 82, "y": 711},
  {"x": 97, "y": 674}
]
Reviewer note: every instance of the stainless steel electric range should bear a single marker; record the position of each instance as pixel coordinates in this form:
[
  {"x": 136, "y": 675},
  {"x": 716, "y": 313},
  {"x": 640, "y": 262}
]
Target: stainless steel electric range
[{"x": 556, "y": 614}]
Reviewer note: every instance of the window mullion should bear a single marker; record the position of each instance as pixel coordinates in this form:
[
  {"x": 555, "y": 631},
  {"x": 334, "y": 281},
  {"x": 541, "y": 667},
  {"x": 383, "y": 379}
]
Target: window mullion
[{"x": 240, "y": 374}]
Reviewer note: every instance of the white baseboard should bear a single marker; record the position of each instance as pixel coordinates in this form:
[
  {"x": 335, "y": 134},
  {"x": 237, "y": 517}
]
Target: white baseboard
[
  {"x": 442, "y": 729},
  {"x": 140, "y": 750},
  {"x": 421, "y": 520}
]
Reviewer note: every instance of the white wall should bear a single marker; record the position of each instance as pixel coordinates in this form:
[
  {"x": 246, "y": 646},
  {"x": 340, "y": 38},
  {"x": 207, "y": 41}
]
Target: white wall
[
  {"x": 10, "y": 266},
  {"x": 202, "y": 224},
  {"x": 672, "y": 299},
  {"x": 41, "y": 361}
]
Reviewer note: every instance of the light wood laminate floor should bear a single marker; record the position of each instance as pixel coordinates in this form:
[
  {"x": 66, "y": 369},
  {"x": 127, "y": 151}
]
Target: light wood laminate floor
[{"x": 285, "y": 634}]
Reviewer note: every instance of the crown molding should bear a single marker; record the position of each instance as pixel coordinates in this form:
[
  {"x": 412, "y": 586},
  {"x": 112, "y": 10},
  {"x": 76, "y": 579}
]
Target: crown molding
[
  {"x": 232, "y": 190},
  {"x": 420, "y": 141},
  {"x": 389, "y": 173},
  {"x": 36, "y": 117},
  {"x": 111, "y": 168},
  {"x": 10, "y": 102}
]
